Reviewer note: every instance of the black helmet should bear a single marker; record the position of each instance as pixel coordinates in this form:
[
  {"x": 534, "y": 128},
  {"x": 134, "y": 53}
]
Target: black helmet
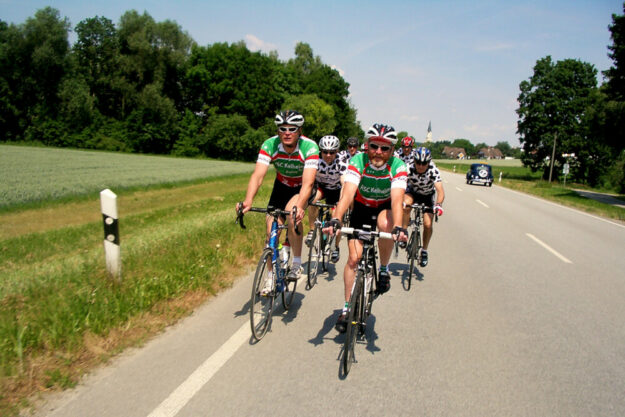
[{"x": 352, "y": 141}]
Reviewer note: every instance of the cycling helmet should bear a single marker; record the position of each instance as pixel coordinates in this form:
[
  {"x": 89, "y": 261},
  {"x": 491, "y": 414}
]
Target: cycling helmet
[
  {"x": 422, "y": 155},
  {"x": 329, "y": 143},
  {"x": 407, "y": 141},
  {"x": 383, "y": 132},
  {"x": 289, "y": 117},
  {"x": 352, "y": 141}
]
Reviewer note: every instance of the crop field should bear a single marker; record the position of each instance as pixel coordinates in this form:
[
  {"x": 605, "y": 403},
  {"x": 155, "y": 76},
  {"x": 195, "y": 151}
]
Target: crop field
[{"x": 30, "y": 175}]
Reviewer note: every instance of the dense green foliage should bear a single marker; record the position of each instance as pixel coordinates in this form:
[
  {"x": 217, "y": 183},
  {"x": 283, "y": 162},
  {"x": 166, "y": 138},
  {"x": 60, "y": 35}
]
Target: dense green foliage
[
  {"x": 146, "y": 86},
  {"x": 562, "y": 104}
]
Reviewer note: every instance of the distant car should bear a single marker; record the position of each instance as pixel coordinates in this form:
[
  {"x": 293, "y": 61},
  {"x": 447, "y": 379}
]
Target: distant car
[{"x": 481, "y": 174}]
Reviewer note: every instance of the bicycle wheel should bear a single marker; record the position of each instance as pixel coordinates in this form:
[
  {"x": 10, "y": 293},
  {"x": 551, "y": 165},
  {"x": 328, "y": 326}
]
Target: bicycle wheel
[
  {"x": 314, "y": 255},
  {"x": 262, "y": 305},
  {"x": 413, "y": 251},
  {"x": 289, "y": 292},
  {"x": 353, "y": 323}
]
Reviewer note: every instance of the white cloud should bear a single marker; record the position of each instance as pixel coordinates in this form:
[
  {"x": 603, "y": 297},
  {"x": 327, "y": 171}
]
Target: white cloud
[
  {"x": 254, "y": 44},
  {"x": 341, "y": 72}
]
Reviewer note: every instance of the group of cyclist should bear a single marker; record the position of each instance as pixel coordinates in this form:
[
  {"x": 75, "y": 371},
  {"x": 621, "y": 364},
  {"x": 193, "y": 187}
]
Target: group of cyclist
[{"x": 376, "y": 184}]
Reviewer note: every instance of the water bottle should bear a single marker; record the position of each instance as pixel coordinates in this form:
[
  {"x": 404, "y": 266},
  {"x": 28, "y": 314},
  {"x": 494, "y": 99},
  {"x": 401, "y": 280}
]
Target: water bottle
[{"x": 285, "y": 254}]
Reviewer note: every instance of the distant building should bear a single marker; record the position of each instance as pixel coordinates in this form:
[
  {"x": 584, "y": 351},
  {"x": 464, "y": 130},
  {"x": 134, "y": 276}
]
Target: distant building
[
  {"x": 454, "y": 153},
  {"x": 490, "y": 153},
  {"x": 428, "y": 137}
]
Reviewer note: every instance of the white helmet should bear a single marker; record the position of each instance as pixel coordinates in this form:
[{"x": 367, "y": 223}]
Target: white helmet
[
  {"x": 289, "y": 117},
  {"x": 329, "y": 143},
  {"x": 383, "y": 132}
]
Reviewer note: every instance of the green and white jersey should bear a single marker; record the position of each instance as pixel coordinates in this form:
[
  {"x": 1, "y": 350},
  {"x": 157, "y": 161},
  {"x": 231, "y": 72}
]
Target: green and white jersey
[
  {"x": 375, "y": 184},
  {"x": 289, "y": 166}
]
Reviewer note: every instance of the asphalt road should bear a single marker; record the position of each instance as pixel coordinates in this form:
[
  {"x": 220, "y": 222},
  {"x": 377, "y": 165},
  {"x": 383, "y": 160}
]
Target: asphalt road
[{"x": 521, "y": 312}]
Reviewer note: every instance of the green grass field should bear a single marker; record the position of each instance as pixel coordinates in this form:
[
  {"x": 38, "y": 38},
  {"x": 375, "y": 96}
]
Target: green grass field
[{"x": 32, "y": 175}]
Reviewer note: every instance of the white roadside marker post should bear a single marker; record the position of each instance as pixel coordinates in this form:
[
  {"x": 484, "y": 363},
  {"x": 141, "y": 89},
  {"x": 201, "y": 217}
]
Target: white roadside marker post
[{"x": 108, "y": 203}]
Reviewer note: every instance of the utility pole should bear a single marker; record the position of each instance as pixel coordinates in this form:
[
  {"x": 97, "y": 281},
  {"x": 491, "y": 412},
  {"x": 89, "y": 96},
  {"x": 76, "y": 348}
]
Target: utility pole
[{"x": 553, "y": 155}]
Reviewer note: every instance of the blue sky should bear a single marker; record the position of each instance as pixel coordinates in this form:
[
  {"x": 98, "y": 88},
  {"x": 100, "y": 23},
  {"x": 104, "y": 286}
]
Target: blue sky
[{"x": 457, "y": 64}]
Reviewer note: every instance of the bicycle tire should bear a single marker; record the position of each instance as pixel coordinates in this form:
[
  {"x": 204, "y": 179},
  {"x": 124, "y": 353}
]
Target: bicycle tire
[
  {"x": 288, "y": 293},
  {"x": 412, "y": 255},
  {"x": 313, "y": 259},
  {"x": 353, "y": 324},
  {"x": 372, "y": 290},
  {"x": 261, "y": 306}
]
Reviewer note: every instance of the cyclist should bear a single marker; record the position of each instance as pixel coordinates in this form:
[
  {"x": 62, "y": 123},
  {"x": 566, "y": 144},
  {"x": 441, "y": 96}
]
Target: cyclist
[
  {"x": 406, "y": 151},
  {"x": 296, "y": 159},
  {"x": 352, "y": 149},
  {"x": 329, "y": 182},
  {"x": 377, "y": 182},
  {"x": 424, "y": 187}
]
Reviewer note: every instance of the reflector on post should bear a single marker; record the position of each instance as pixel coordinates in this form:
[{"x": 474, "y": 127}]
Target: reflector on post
[{"x": 112, "y": 251}]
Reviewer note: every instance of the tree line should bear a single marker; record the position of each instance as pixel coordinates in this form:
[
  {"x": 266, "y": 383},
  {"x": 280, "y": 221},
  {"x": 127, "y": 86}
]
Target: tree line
[
  {"x": 146, "y": 86},
  {"x": 562, "y": 105}
]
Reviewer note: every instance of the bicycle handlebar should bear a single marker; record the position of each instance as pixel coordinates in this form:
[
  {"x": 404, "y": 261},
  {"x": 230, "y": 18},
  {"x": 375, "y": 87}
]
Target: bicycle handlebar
[
  {"x": 269, "y": 210},
  {"x": 365, "y": 233},
  {"x": 423, "y": 207},
  {"x": 322, "y": 205}
]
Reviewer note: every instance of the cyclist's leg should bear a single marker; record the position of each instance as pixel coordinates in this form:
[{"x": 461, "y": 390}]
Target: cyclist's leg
[
  {"x": 295, "y": 239},
  {"x": 428, "y": 215},
  {"x": 408, "y": 200},
  {"x": 312, "y": 214},
  {"x": 385, "y": 224}
]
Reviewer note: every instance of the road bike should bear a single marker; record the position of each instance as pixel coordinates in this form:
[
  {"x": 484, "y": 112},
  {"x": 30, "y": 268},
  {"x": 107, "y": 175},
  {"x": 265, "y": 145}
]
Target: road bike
[
  {"x": 364, "y": 291},
  {"x": 413, "y": 249},
  {"x": 270, "y": 278},
  {"x": 320, "y": 244}
]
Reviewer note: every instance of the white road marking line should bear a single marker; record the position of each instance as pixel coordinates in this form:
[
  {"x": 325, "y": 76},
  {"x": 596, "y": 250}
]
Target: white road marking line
[
  {"x": 458, "y": 188},
  {"x": 544, "y": 245},
  {"x": 482, "y": 203},
  {"x": 181, "y": 395}
]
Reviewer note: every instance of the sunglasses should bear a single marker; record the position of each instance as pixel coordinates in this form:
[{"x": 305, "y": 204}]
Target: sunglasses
[
  {"x": 421, "y": 163},
  {"x": 352, "y": 146},
  {"x": 329, "y": 152},
  {"x": 375, "y": 147},
  {"x": 288, "y": 129}
]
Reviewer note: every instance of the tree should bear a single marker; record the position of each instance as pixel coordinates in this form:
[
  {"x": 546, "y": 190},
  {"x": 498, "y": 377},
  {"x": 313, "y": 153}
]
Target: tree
[
  {"x": 505, "y": 148},
  {"x": 555, "y": 102},
  {"x": 319, "y": 115},
  {"x": 465, "y": 144},
  {"x": 616, "y": 74}
]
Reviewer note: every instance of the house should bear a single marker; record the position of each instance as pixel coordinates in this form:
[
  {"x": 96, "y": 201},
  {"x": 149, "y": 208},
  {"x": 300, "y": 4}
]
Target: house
[
  {"x": 454, "y": 153},
  {"x": 490, "y": 153}
]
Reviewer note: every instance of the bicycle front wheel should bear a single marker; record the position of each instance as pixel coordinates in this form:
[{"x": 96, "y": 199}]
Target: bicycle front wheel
[
  {"x": 412, "y": 256},
  {"x": 288, "y": 293},
  {"x": 354, "y": 319},
  {"x": 261, "y": 304},
  {"x": 314, "y": 258}
]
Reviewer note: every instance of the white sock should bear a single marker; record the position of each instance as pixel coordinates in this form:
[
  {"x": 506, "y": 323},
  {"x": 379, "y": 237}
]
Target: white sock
[{"x": 297, "y": 260}]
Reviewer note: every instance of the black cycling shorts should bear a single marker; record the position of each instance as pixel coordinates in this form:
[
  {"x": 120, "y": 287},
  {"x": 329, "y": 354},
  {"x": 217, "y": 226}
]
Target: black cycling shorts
[
  {"x": 281, "y": 194},
  {"x": 427, "y": 199},
  {"x": 362, "y": 215},
  {"x": 331, "y": 196}
]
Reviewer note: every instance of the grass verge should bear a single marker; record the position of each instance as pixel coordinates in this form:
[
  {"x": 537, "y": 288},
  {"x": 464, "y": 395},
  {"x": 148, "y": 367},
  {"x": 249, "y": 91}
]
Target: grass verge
[{"x": 59, "y": 314}]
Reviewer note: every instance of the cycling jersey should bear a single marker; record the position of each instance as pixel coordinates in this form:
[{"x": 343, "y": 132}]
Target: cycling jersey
[
  {"x": 289, "y": 166},
  {"x": 345, "y": 156},
  {"x": 408, "y": 159},
  {"x": 374, "y": 184},
  {"x": 423, "y": 183},
  {"x": 329, "y": 176}
]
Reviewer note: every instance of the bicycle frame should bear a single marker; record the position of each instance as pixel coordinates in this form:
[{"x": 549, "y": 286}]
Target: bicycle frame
[{"x": 363, "y": 291}]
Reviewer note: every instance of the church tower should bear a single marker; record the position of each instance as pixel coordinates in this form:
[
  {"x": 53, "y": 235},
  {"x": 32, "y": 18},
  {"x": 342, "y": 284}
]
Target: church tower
[{"x": 428, "y": 137}]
